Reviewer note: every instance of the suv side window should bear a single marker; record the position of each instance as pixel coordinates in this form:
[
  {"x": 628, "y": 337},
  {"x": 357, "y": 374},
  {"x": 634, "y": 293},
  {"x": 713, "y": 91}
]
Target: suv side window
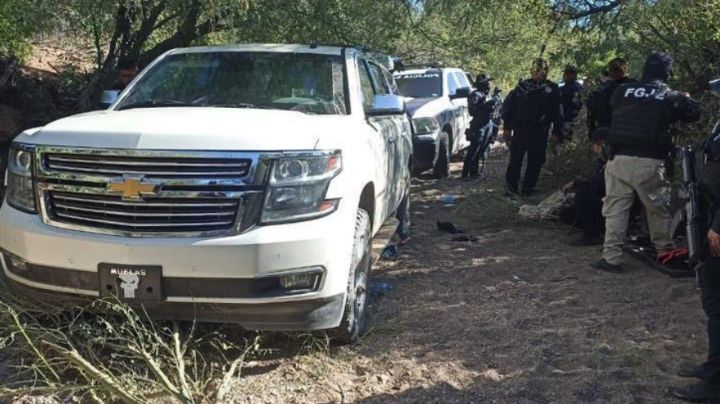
[
  {"x": 452, "y": 84},
  {"x": 462, "y": 80},
  {"x": 381, "y": 86},
  {"x": 366, "y": 85},
  {"x": 391, "y": 82}
]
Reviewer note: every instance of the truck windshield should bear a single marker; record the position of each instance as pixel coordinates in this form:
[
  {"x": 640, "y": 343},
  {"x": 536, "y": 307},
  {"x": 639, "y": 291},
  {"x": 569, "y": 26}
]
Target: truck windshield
[
  {"x": 308, "y": 83},
  {"x": 420, "y": 85}
]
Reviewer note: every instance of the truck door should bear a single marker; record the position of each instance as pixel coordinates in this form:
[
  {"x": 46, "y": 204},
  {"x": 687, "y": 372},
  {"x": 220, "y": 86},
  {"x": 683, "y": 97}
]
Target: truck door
[
  {"x": 382, "y": 145},
  {"x": 391, "y": 128},
  {"x": 462, "y": 117},
  {"x": 404, "y": 144}
]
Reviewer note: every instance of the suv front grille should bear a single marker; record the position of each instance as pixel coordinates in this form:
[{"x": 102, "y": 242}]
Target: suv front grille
[
  {"x": 150, "y": 215},
  {"x": 191, "y": 193},
  {"x": 166, "y": 166}
]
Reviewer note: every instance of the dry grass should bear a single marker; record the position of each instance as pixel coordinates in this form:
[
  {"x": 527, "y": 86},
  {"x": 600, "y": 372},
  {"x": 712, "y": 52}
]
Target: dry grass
[{"x": 105, "y": 351}]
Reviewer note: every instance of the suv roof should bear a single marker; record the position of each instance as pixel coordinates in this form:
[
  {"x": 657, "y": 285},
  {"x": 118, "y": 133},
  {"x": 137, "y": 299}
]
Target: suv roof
[
  {"x": 283, "y": 48},
  {"x": 336, "y": 50}
]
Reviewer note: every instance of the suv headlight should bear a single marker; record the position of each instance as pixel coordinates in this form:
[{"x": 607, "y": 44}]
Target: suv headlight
[
  {"x": 425, "y": 126},
  {"x": 20, "y": 192},
  {"x": 298, "y": 185}
]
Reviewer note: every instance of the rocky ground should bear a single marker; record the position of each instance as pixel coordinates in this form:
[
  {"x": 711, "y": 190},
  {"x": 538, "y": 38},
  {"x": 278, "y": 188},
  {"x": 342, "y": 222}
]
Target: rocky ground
[{"x": 514, "y": 317}]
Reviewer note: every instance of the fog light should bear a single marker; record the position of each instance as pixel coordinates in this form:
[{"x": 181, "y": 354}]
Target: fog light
[
  {"x": 16, "y": 264},
  {"x": 302, "y": 281}
]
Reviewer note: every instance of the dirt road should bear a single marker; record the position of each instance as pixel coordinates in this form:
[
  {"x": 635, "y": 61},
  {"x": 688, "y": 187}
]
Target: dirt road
[{"x": 514, "y": 317}]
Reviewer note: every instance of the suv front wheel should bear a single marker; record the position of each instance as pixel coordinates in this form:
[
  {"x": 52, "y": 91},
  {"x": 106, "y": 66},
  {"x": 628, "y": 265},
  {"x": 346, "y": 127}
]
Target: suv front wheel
[
  {"x": 441, "y": 169},
  {"x": 354, "y": 318}
]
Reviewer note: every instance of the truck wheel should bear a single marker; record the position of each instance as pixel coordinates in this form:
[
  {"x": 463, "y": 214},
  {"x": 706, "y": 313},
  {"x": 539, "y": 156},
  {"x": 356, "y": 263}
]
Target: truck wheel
[
  {"x": 354, "y": 317},
  {"x": 442, "y": 163},
  {"x": 403, "y": 215}
]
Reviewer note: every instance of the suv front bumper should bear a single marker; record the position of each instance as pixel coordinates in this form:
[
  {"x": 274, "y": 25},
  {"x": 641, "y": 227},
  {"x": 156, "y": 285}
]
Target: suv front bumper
[
  {"x": 425, "y": 151},
  {"x": 217, "y": 279}
]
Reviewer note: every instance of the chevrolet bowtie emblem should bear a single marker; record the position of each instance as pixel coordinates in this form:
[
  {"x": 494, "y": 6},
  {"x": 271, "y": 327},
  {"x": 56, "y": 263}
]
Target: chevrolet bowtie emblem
[{"x": 132, "y": 188}]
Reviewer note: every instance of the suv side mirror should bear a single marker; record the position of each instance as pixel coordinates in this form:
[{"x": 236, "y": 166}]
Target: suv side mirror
[
  {"x": 387, "y": 105},
  {"x": 462, "y": 92}
]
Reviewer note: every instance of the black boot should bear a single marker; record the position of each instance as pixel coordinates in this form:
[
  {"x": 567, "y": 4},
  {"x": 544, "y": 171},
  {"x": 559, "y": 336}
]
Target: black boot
[
  {"x": 607, "y": 267},
  {"x": 691, "y": 371},
  {"x": 697, "y": 393}
]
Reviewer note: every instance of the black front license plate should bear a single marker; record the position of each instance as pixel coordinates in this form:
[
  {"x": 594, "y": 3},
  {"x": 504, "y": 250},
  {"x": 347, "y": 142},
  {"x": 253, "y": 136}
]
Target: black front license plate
[{"x": 131, "y": 282}]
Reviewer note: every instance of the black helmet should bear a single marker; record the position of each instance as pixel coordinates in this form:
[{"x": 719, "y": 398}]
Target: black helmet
[
  {"x": 658, "y": 66},
  {"x": 482, "y": 78},
  {"x": 570, "y": 69}
]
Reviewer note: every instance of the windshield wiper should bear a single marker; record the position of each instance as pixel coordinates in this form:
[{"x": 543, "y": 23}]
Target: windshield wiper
[
  {"x": 157, "y": 104},
  {"x": 235, "y": 105}
]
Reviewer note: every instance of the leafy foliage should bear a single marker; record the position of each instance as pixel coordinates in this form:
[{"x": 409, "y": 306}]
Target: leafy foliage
[{"x": 19, "y": 21}]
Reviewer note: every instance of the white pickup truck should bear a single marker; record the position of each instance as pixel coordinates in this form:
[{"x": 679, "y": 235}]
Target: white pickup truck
[{"x": 242, "y": 184}]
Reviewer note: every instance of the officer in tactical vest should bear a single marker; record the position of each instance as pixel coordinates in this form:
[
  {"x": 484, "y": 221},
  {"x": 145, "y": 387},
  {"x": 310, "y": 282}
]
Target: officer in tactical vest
[
  {"x": 530, "y": 112},
  {"x": 599, "y": 114},
  {"x": 478, "y": 133},
  {"x": 640, "y": 143},
  {"x": 571, "y": 95},
  {"x": 709, "y": 372}
]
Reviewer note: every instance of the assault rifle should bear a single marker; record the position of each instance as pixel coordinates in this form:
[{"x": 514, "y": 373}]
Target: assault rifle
[{"x": 693, "y": 214}]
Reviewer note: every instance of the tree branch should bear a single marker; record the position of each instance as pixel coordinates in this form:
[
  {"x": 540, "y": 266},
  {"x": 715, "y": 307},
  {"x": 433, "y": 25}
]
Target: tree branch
[{"x": 591, "y": 10}]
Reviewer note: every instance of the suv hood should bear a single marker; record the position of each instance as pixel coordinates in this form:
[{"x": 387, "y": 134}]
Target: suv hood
[
  {"x": 425, "y": 107},
  {"x": 192, "y": 128}
]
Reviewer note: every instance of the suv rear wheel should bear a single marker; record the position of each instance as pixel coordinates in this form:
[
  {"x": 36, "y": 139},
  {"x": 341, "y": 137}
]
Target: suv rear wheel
[
  {"x": 403, "y": 215},
  {"x": 354, "y": 319},
  {"x": 442, "y": 162}
]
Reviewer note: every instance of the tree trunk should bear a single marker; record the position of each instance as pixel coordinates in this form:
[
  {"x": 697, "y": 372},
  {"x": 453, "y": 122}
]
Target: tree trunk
[{"x": 7, "y": 69}]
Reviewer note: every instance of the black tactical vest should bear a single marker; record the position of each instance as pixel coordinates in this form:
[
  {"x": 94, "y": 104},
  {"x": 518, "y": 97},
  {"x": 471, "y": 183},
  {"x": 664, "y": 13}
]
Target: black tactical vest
[
  {"x": 478, "y": 109},
  {"x": 637, "y": 119}
]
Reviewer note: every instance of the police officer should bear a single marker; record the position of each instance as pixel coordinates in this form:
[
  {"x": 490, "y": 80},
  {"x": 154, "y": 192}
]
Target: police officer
[
  {"x": 709, "y": 372},
  {"x": 530, "y": 111},
  {"x": 640, "y": 143},
  {"x": 496, "y": 116},
  {"x": 571, "y": 94},
  {"x": 598, "y": 104},
  {"x": 480, "y": 111}
]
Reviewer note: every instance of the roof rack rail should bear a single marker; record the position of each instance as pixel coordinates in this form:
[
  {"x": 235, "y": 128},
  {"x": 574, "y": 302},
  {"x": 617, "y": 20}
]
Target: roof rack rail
[{"x": 381, "y": 57}]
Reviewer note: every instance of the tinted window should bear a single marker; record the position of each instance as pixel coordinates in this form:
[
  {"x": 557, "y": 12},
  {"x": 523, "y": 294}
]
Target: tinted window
[
  {"x": 462, "y": 80},
  {"x": 452, "y": 84},
  {"x": 391, "y": 82},
  {"x": 420, "y": 85},
  {"x": 307, "y": 83},
  {"x": 381, "y": 86},
  {"x": 365, "y": 85},
  {"x": 470, "y": 80}
]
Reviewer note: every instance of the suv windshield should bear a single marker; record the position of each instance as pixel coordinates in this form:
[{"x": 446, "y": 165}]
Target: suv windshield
[
  {"x": 308, "y": 83},
  {"x": 420, "y": 85}
]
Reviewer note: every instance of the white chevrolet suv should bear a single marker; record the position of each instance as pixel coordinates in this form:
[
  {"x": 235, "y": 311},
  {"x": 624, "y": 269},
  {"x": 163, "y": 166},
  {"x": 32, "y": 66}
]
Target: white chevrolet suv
[{"x": 243, "y": 184}]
